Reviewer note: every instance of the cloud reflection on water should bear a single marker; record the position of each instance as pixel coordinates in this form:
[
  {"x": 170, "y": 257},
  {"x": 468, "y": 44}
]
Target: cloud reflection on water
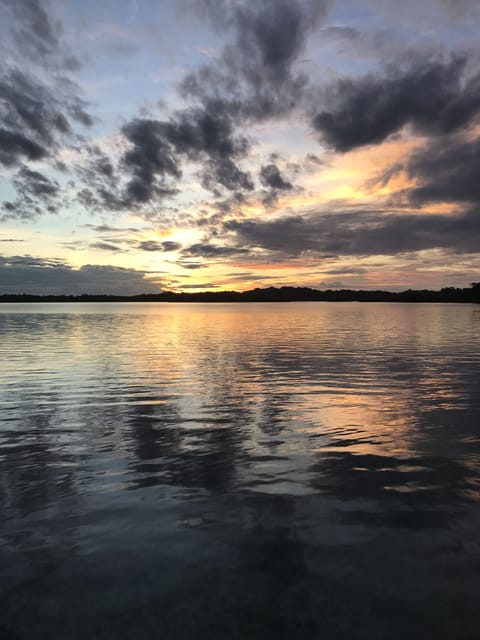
[{"x": 289, "y": 451}]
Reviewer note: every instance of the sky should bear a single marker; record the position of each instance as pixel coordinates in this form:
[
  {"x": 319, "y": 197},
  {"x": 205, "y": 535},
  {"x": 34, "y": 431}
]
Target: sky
[{"x": 188, "y": 145}]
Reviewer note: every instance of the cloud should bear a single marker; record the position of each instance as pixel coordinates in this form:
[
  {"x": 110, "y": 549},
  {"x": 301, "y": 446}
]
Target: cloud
[
  {"x": 39, "y": 34},
  {"x": 107, "y": 228},
  {"x": 246, "y": 277},
  {"x": 150, "y": 159},
  {"x": 14, "y": 145},
  {"x": 35, "y": 184},
  {"x": 458, "y": 8},
  {"x": 190, "y": 265},
  {"x": 205, "y": 285},
  {"x": 207, "y": 134},
  {"x": 270, "y": 176},
  {"x": 448, "y": 170},
  {"x": 360, "y": 233},
  {"x": 152, "y": 163},
  {"x": 104, "y": 246},
  {"x": 152, "y": 245},
  {"x": 41, "y": 108},
  {"x": 255, "y": 76},
  {"x": 35, "y": 194},
  {"x": 25, "y": 274},
  {"x": 206, "y": 250},
  {"x": 33, "y": 120},
  {"x": 434, "y": 96}
]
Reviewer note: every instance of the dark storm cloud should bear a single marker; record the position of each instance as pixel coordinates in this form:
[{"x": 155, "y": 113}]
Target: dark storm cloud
[
  {"x": 25, "y": 274},
  {"x": 434, "y": 96},
  {"x": 361, "y": 233}
]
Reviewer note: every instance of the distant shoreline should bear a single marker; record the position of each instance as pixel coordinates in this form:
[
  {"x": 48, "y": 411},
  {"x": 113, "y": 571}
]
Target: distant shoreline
[{"x": 271, "y": 294}]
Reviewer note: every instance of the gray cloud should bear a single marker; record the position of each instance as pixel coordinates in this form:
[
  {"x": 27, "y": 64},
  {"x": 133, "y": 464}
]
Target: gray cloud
[
  {"x": 14, "y": 145},
  {"x": 459, "y": 8},
  {"x": 35, "y": 184},
  {"x": 32, "y": 118},
  {"x": 435, "y": 96},
  {"x": 39, "y": 108},
  {"x": 206, "y": 250},
  {"x": 360, "y": 233},
  {"x": 38, "y": 33},
  {"x": 150, "y": 159},
  {"x": 270, "y": 176},
  {"x": 24, "y": 274},
  {"x": 449, "y": 171},
  {"x": 205, "y": 285},
  {"x": 105, "y": 246},
  {"x": 255, "y": 77},
  {"x": 190, "y": 265},
  {"x": 107, "y": 228},
  {"x": 247, "y": 277},
  {"x": 35, "y": 193},
  {"x": 152, "y": 245},
  {"x": 152, "y": 163},
  {"x": 207, "y": 134}
]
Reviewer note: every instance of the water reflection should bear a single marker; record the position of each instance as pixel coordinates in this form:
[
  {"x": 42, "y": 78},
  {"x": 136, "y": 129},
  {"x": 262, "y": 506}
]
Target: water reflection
[{"x": 301, "y": 461}]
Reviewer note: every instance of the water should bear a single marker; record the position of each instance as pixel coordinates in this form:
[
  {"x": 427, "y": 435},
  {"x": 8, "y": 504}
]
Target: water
[{"x": 304, "y": 470}]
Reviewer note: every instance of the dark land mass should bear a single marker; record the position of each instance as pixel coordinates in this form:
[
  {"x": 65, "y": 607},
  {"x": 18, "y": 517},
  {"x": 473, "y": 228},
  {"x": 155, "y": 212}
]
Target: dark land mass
[{"x": 270, "y": 294}]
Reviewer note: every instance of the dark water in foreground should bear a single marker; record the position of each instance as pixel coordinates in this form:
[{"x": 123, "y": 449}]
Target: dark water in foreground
[{"x": 307, "y": 470}]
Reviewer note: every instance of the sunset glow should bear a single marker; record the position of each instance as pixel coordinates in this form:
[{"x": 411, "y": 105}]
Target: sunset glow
[{"x": 242, "y": 146}]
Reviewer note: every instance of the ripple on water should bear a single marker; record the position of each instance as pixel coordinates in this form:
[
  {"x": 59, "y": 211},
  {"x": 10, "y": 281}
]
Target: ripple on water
[{"x": 303, "y": 460}]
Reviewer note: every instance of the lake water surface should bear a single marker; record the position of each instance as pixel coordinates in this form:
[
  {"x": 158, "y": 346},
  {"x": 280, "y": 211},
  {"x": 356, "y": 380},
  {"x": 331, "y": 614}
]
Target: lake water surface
[{"x": 238, "y": 471}]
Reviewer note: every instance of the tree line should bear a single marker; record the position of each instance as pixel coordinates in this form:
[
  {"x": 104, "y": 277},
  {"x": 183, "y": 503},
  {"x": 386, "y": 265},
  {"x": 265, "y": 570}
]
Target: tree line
[{"x": 270, "y": 294}]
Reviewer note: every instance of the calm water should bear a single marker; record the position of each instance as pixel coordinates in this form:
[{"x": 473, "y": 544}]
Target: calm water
[{"x": 306, "y": 470}]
